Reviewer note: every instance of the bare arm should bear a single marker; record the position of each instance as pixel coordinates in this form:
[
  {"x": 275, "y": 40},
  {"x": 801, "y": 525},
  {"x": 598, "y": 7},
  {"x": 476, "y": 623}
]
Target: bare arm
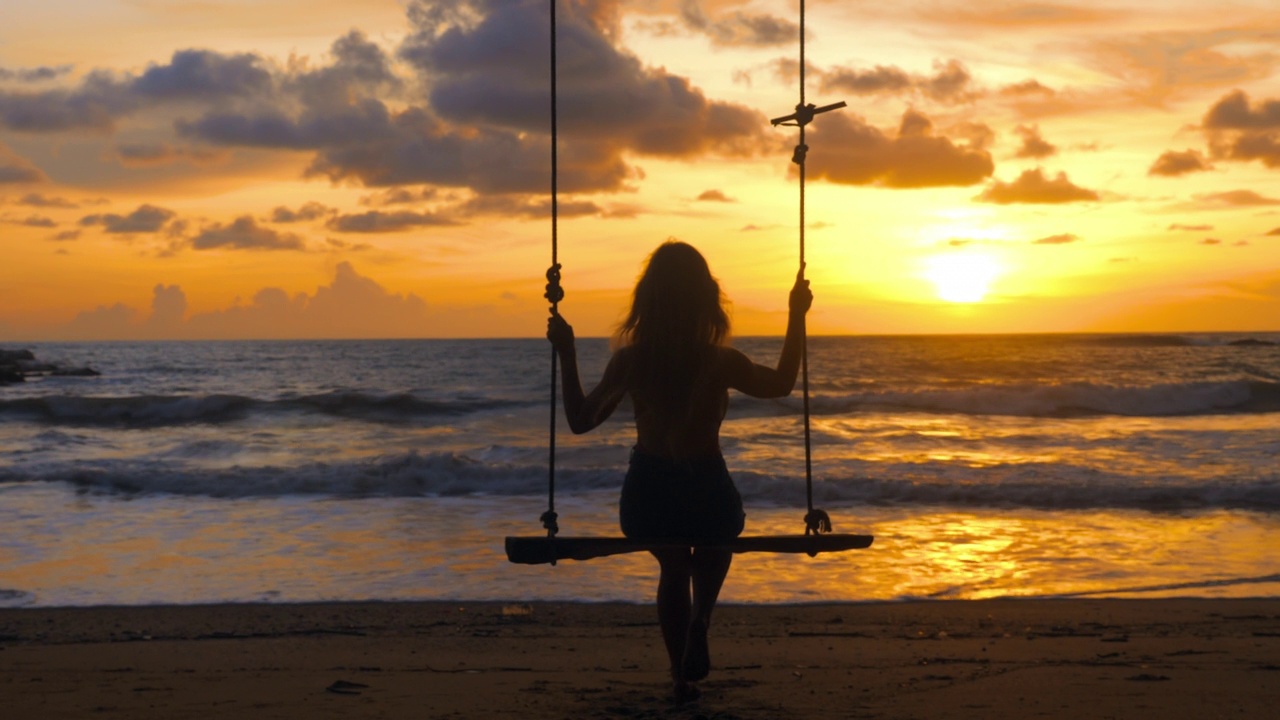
[
  {"x": 765, "y": 382},
  {"x": 584, "y": 411}
]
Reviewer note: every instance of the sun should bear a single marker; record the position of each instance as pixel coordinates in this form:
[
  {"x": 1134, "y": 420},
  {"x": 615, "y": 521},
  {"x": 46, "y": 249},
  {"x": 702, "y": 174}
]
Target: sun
[{"x": 961, "y": 277}]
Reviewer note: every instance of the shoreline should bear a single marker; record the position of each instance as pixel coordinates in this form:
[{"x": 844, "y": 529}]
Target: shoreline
[{"x": 1056, "y": 658}]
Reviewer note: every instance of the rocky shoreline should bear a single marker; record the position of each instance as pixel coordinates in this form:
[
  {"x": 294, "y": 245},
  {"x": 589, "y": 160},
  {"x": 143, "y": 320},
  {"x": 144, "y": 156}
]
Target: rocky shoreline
[{"x": 17, "y": 365}]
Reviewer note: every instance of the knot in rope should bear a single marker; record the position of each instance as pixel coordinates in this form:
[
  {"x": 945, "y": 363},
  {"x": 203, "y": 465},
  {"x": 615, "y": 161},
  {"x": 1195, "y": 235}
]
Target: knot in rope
[
  {"x": 549, "y": 521},
  {"x": 817, "y": 521},
  {"x": 554, "y": 292}
]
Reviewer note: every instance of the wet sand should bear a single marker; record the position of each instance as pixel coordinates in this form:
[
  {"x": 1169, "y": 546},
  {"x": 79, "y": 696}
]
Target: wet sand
[{"x": 951, "y": 659}]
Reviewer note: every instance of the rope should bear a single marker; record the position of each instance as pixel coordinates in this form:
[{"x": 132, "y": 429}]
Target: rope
[
  {"x": 815, "y": 521},
  {"x": 554, "y": 293}
]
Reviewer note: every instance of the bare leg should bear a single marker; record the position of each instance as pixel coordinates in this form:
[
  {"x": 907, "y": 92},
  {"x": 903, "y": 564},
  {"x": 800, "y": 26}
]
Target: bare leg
[
  {"x": 674, "y": 605},
  {"x": 710, "y": 567}
]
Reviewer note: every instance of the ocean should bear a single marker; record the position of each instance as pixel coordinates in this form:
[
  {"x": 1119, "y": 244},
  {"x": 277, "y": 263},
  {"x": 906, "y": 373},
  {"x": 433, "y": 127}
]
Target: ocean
[{"x": 986, "y": 466}]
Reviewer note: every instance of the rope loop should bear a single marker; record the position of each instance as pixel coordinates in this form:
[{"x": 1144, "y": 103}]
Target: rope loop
[
  {"x": 816, "y": 522},
  {"x": 549, "y": 521},
  {"x": 554, "y": 292}
]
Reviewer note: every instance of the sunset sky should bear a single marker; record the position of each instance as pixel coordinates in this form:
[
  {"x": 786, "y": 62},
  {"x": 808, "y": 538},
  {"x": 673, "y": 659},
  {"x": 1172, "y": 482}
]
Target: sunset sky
[{"x": 331, "y": 168}]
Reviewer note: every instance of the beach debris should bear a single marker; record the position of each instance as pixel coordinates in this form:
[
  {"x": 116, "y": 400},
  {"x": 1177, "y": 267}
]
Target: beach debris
[
  {"x": 345, "y": 687},
  {"x": 517, "y": 610},
  {"x": 1148, "y": 677}
]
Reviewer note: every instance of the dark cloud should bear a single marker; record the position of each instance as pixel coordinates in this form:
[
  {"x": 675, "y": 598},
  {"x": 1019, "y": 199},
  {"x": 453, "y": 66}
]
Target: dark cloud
[
  {"x": 493, "y": 73},
  {"x": 103, "y": 323},
  {"x": 309, "y": 211},
  {"x": 38, "y": 221},
  {"x": 847, "y": 150},
  {"x": 161, "y": 153},
  {"x": 1173, "y": 163},
  {"x": 1033, "y": 145},
  {"x": 715, "y": 196},
  {"x": 1274, "y": 233},
  {"x": 377, "y": 221},
  {"x": 102, "y": 98},
  {"x": 1191, "y": 228},
  {"x": 36, "y": 74},
  {"x": 739, "y": 28},
  {"x": 1240, "y": 130},
  {"x": 1062, "y": 239},
  {"x": 400, "y": 196},
  {"x": 1033, "y": 187},
  {"x": 45, "y": 201},
  {"x": 1211, "y": 241},
  {"x": 66, "y": 236},
  {"x": 146, "y": 219},
  {"x": 1235, "y": 198},
  {"x": 949, "y": 83},
  {"x": 244, "y": 233},
  {"x": 202, "y": 74}
]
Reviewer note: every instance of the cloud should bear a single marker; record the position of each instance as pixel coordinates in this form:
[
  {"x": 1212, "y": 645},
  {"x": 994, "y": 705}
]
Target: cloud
[
  {"x": 377, "y": 221},
  {"x": 309, "y": 211},
  {"x": 38, "y": 221},
  {"x": 1274, "y": 233},
  {"x": 1239, "y": 130},
  {"x": 66, "y": 236},
  {"x": 350, "y": 306},
  {"x": 1235, "y": 198},
  {"x": 45, "y": 201},
  {"x": 17, "y": 170},
  {"x": 146, "y": 219},
  {"x": 949, "y": 83},
  {"x": 492, "y": 73},
  {"x": 102, "y": 98},
  {"x": 160, "y": 153},
  {"x": 1173, "y": 163},
  {"x": 1033, "y": 145},
  {"x": 1026, "y": 88},
  {"x": 739, "y": 28},
  {"x": 1033, "y": 187},
  {"x": 400, "y": 196},
  {"x": 1061, "y": 239},
  {"x": 244, "y": 233},
  {"x": 34, "y": 75},
  {"x": 1211, "y": 241},
  {"x": 715, "y": 196},
  {"x": 847, "y": 150},
  {"x": 1191, "y": 228},
  {"x": 533, "y": 209}
]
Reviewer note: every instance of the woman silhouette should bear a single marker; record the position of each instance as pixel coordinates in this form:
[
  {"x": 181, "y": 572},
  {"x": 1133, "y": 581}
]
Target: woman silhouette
[{"x": 672, "y": 358}]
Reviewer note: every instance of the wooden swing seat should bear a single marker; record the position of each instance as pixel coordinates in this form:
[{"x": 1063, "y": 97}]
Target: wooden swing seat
[{"x": 540, "y": 550}]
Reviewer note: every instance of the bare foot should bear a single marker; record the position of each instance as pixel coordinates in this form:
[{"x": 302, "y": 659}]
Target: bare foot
[
  {"x": 686, "y": 692},
  {"x": 697, "y": 655}
]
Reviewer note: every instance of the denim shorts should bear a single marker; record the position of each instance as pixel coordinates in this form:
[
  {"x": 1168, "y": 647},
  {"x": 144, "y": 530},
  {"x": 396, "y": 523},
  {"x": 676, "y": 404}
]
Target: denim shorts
[{"x": 664, "y": 499}]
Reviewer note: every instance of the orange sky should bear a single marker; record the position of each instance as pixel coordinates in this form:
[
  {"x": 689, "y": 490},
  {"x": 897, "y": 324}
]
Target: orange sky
[{"x": 291, "y": 168}]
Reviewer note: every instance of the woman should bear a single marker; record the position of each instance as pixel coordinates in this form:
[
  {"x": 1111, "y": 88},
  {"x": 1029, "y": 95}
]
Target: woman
[{"x": 674, "y": 362}]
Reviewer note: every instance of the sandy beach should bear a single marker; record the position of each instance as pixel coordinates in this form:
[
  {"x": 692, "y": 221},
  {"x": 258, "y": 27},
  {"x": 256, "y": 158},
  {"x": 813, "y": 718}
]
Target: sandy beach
[{"x": 953, "y": 659}]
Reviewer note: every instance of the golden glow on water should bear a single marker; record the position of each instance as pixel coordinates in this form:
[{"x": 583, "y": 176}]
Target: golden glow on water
[{"x": 173, "y": 551}]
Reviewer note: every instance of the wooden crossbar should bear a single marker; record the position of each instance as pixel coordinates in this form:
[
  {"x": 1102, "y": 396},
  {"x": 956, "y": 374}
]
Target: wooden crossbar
[{"x": 539, "y": 550}]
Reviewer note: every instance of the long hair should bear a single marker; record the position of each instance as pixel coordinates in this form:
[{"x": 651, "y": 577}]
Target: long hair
[{"x": 677, "y": 319}]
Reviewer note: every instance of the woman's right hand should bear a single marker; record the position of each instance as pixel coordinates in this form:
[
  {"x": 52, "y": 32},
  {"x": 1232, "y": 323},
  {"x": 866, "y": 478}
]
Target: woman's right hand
[
  {"x": 560, "y": 333},
  {"x": 801, "y": 296}
]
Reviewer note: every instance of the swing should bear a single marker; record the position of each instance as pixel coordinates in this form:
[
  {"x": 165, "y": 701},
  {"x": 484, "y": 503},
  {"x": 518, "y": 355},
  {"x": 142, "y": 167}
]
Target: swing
[{"x": 817, "y": 537}]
